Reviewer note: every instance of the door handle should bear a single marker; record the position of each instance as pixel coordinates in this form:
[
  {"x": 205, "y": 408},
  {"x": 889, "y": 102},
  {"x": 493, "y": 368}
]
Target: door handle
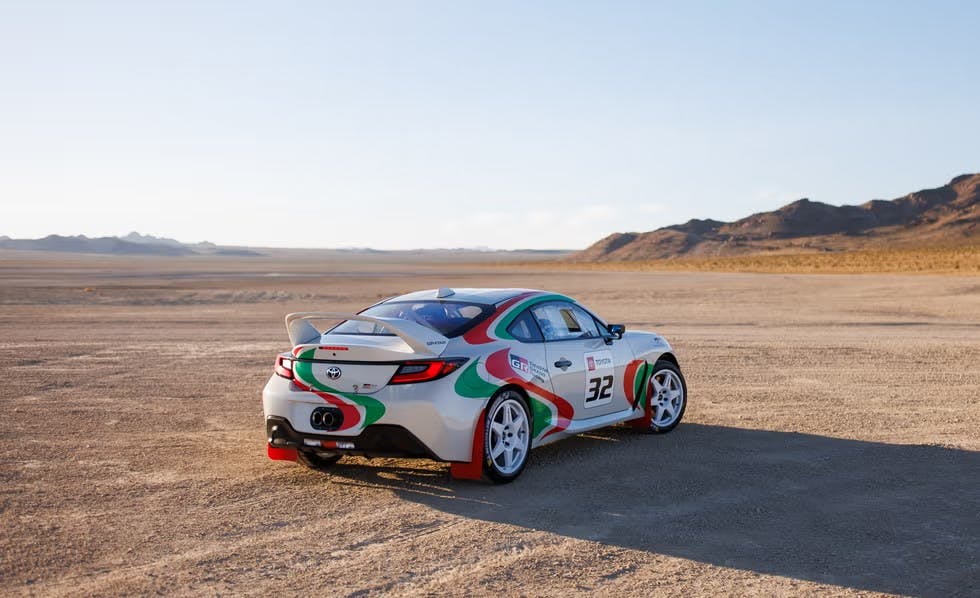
[{"x": 563, "y": 363}]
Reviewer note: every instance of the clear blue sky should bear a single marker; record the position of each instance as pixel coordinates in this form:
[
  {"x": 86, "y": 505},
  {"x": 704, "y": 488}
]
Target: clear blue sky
[{"x": 443, "y": 124}]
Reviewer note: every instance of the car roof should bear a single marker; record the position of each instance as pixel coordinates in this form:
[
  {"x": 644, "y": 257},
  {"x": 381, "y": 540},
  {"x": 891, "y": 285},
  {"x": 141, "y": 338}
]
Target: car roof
[{"x": 474, "y": 295}]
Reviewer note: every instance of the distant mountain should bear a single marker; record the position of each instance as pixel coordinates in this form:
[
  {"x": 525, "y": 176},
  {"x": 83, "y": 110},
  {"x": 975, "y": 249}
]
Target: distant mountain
[
  {"x": 135, "y": 237},
  {"x": 947, "y": 215},
  {"x": 131, "y": 244},
  {"x": 138, "y": 244}
]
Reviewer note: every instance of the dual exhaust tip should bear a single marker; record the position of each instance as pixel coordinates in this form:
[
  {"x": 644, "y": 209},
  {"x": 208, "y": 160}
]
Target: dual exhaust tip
[{"x": 326, "y": 418}]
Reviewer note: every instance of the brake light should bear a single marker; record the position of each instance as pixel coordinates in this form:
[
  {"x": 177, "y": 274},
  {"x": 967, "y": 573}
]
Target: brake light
[
  {"x": 411, "y": 372},
  {"x": 284, "y": 367}
]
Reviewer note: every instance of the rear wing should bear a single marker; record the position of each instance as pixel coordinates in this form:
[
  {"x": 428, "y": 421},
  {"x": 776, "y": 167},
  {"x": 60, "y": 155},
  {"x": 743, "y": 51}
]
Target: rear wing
[{"x": 421, "y": 339}]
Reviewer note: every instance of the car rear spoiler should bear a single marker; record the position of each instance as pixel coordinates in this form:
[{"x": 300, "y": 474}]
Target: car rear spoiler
[{"x": 421, "y": 339}]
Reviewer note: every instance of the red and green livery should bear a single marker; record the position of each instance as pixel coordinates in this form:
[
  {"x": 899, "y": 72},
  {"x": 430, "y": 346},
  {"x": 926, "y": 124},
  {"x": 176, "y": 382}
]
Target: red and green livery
[{"x": 475, "y": 377}]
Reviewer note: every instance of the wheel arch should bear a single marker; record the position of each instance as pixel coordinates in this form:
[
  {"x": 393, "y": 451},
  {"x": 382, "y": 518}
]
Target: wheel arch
[{"x": 521, "y": 391}]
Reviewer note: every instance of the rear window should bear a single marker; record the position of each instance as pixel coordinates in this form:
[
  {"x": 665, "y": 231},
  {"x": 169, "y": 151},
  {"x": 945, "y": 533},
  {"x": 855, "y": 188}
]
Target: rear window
[
  {"x": 448, "y": 318},
  {"x": 525, "y": 329}
]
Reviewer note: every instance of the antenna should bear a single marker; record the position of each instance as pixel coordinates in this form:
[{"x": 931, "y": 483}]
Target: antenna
[{"x": 445, "y": 292}]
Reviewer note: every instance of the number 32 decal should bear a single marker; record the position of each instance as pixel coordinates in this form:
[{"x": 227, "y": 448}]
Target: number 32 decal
[
  {"x": 599, "y": 389},
  {"x": 600, "y": 374}
]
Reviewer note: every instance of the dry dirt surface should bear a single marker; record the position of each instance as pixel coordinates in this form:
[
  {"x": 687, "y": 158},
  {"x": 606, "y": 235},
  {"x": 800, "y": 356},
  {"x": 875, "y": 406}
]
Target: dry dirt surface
[{"x": 830, "y": 445}]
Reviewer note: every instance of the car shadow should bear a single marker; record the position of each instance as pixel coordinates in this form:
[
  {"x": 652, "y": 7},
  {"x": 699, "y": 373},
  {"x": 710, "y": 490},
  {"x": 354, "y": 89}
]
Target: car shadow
[{"x": 888, "y": 518}]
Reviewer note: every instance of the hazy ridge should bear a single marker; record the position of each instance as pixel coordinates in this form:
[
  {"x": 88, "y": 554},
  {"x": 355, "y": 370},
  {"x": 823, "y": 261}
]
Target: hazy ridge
[{"x": 131, "y": 244}]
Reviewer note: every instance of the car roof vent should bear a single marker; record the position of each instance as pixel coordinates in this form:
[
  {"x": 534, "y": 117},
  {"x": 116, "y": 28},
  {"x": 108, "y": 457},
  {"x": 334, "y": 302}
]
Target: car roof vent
[{"x": 445, "y": 292}]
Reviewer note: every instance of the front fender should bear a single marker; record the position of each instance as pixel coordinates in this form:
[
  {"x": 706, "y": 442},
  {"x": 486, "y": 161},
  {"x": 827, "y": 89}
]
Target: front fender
[{"x": 647, "y": 346}]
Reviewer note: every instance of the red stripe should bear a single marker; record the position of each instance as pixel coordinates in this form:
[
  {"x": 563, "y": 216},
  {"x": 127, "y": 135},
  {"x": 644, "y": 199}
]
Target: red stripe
[
  {"x": 499, "y": 367},
  {"x": 351, "y": 415},
  {"x": 478, "y": 334},
  {"x": 629, "y": 379}
]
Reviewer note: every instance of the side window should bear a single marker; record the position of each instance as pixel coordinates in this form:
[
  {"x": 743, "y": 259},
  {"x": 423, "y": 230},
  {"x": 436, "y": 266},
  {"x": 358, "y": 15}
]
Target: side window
[
  {"x": 564, "y": 321},
  {"x": 525, "y": 329},
  {"x": 603, "y": 331},
  {"x": 586, "y": 322}
]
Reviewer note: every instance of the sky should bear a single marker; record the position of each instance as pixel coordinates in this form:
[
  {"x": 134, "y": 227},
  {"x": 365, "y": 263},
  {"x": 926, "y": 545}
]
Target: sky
[{"x": 399, "y": 125}]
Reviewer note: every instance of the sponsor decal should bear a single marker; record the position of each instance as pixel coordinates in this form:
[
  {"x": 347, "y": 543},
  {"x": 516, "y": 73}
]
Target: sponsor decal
[
  {"x": 600, "y": 378},
  {"x": 520, "y": 364},
  {"x": 539, "y": 370},
  {"x": 597, "y": 361},
  {"x": 526, "y": 368}
]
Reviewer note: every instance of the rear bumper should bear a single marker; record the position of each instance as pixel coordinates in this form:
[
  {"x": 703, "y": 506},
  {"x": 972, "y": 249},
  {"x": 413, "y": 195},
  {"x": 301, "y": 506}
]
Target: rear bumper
[
  {"x": 430, "y": 414},
  {"x": 379, "y": 440}
]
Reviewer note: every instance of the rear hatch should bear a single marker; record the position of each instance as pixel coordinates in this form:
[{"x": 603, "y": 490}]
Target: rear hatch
[{"x": 358, "y": 364}]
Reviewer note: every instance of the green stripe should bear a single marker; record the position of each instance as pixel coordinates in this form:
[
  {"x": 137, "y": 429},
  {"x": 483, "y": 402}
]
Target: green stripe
[
  {"x": 541, "y": 417},
  {"x": 638, "y": 381},
  {"x": 471, "y": 385},
  {"x": 641, "y": 383}
]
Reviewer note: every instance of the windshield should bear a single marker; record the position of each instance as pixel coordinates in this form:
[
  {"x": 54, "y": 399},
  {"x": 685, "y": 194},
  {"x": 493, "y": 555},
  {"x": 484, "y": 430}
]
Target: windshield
[{"x": 448, "y": 318}]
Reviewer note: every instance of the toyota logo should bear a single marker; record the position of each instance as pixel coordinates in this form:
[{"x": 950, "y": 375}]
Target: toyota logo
[{"x": 333, "y": 372}]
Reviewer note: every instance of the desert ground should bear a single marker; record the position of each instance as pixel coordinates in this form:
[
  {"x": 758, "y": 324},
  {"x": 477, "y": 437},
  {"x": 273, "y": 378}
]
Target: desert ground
[{"x": 831, "y": 443}]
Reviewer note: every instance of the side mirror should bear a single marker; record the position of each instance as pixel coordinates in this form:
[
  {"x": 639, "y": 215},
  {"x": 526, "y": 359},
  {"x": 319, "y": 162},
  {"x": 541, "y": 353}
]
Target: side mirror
[{"x": 617, "y": 330}]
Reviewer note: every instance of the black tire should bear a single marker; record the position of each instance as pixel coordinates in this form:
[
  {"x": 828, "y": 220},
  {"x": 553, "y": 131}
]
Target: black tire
[
  {"x": 659, "y": 368},
  {"x": 519, "y": 436},
  {"x": 317, "y": 461}
]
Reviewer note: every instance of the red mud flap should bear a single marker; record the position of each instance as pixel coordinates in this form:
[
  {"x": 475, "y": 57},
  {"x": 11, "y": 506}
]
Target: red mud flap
[
  {"x": 472, "y": 469},
  {"x": 643, "y": 422},
  {"x": 281, "y": 454},
  {"x": 635, "y": 369}
]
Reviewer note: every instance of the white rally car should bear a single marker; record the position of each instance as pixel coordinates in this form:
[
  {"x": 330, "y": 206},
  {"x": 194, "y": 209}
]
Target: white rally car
[{"x": 475, "y": 377}]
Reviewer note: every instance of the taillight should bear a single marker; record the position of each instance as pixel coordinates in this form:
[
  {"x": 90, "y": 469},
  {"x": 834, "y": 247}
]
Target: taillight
[
  {"x": 284, "y": 367},
  {"x": 411, "y": 372}
]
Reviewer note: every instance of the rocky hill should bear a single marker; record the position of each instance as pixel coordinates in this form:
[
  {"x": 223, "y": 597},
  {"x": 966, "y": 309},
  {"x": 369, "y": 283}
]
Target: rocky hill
[{"x": 947, "y": 215}]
